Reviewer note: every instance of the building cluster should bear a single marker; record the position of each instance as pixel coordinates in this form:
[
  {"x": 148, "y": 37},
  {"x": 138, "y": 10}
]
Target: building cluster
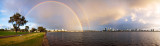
[
  {"x": 56, "y": 30},
  {"x": 127, "y": 30},
  {"x": 110, "y": 29}
]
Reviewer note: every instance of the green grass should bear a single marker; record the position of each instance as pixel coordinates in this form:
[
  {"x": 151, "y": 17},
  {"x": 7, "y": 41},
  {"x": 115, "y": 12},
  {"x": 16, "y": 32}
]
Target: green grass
[
  {"x": 5, "y": 33},
  {"x": 33, "y": 39},
  {"x": 32, "y": 42}
]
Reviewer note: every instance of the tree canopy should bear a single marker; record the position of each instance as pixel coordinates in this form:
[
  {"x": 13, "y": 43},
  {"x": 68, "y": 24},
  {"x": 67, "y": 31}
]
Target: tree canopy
[
  {"x": 41, "y": 29},
  {"x": 17, "y": 20},
  {"x": 26, "y": 28}
]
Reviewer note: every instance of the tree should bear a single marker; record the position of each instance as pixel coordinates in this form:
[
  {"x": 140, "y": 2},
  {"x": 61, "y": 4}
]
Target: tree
[
  {"x": 22, "y": 30},
  {"x": 26, "y": 28},
  {"x": 12, "y": 29},
  {"x": 5, "y": 29},
  {"x": 33, "y": 29},
  {"x": 17, "y": 20},
  {"x": 1, "y": 29},
  {"x": 41, "y": 29},
  {"x": 44, "y": 30}
]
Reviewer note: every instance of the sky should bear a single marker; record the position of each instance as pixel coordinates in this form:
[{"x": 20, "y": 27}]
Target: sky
[{"x": 83, "y": 14}]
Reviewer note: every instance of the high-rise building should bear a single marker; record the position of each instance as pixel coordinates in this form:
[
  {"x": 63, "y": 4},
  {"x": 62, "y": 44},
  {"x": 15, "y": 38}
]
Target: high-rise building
[
  {"x": 106, "y": 29},
  {"x": 152, "y": 29}
]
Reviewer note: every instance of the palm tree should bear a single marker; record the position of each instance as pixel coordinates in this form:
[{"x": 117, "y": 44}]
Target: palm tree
[{"x": 17, "y": 20}]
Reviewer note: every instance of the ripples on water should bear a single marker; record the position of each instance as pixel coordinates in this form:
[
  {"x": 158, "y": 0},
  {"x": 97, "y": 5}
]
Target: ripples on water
[{"x": 104, "y": 38}]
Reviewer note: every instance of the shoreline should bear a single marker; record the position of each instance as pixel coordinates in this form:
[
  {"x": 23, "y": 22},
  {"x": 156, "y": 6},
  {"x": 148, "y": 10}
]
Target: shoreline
[
  {"x": 45, "y": 40},
  {"x": 121, "y": 31}
]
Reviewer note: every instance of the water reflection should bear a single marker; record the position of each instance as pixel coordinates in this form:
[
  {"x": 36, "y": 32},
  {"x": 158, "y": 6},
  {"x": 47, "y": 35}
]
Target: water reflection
[{"x": 104, "y": 38}]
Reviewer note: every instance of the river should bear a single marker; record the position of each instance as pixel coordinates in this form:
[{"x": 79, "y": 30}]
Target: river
[{"x": 104, "y": 38}]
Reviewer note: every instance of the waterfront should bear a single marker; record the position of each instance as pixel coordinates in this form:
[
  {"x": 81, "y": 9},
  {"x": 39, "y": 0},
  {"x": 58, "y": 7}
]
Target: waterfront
[{"x": 104, "y": 38}]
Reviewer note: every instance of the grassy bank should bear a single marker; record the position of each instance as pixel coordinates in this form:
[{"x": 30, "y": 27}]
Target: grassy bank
[
  {"x": 33, "y": 39},
  {"x": 6, "y": 33}
]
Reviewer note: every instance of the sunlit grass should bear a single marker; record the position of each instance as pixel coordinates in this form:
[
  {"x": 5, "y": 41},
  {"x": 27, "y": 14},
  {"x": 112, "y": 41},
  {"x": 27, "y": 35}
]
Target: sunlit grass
[
  {"x": 5, "y": 33},
  {"x": 32, "y": 39}
]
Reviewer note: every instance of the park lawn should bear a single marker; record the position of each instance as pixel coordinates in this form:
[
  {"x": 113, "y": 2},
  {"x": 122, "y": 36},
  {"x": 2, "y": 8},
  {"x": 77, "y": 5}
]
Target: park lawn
[
  {"x": 6, "y": 33},
  {"x": 32, "y": 39}
]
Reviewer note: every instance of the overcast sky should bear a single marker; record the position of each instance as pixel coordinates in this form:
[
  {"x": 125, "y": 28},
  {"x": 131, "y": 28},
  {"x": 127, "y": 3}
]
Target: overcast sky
[{"x": 84, "y": 14}]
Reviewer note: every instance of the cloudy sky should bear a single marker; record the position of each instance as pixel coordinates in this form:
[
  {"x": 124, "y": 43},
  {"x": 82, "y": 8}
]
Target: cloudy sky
[{"x": 84, "y": 14}]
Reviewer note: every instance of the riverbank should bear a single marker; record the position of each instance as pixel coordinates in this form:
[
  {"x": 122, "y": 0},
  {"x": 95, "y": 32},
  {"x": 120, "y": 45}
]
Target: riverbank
[{"x": 45, "y": 41}]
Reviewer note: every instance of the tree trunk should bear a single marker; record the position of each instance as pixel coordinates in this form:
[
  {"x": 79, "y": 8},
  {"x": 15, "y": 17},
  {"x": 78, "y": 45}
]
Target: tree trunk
[
  {"x": 16, "y": 31},
  {"x": 18, "y": 28}
]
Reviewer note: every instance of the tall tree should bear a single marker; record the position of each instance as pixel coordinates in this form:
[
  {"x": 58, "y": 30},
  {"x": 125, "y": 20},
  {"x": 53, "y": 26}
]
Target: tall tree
[
  {"x": 41, "y": 29},
  {"x": 26, "y": 28},
  {"x": 33, "y": 29},
  {"x": 17, "y": 20}
]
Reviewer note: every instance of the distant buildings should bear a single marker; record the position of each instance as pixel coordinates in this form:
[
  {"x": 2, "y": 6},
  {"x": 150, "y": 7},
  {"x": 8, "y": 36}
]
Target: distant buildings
[
  {"x": 56, "y": 30},
  {"x": 127, "y": 30},
  {"x": 105, "y": 29},
  {"x": 152, "y": 29}
]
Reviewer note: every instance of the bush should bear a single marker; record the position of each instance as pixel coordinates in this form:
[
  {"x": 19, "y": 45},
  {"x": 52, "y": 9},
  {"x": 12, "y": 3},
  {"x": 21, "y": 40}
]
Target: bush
[
  {"x": 22, "y": 30},
  {"x": 1, "y": 29},
  {"x": 33, "y": 29}
]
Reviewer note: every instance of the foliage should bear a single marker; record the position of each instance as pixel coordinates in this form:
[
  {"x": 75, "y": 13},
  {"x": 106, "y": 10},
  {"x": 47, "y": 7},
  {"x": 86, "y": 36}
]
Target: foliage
[
  {"x": 1, "y": 29},
  {"x": 33, "y": 29},
  {"x": 12, "y": 29},
  {"x": 41, "y": 29},
  {"x": 17, "y": 20},
  {"x": 22, "y": 30},
  {"x": 5, "y": 28},
  {"x": 26, "y": 28}
]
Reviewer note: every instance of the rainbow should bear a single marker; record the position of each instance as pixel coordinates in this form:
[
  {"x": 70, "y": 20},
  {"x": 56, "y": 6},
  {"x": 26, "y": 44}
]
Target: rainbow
[
  {"x": 60, "y": 4},
  {"x": 88, "y": 22}
]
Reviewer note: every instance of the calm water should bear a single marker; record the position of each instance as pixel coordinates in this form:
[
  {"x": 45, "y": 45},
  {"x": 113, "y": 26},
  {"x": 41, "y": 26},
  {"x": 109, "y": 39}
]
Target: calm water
[{"x": 104, "y": 38}]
